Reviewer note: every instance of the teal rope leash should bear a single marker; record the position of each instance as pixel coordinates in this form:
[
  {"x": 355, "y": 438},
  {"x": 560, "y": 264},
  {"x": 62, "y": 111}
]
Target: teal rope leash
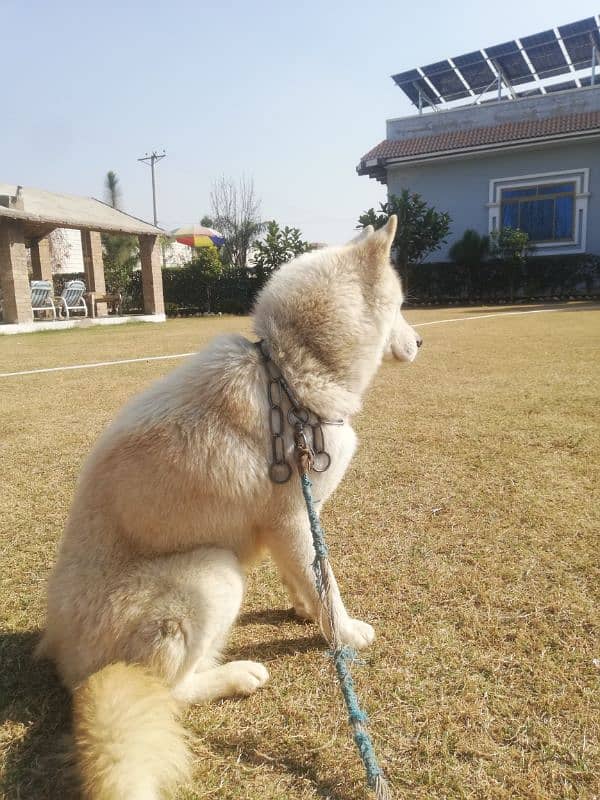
[
  {"x": 316, "y": 458},
  {"x": 342, "y": 656}
]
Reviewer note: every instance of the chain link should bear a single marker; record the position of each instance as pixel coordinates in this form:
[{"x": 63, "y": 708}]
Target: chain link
[{"x": 309, "y": 439}]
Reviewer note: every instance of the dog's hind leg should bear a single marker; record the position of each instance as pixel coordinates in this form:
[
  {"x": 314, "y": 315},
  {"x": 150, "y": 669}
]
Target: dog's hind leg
[
  {"x": 292, "y": 549},
  {"x": 210, "y": 582},
  {"x": 186, "y": 605}
]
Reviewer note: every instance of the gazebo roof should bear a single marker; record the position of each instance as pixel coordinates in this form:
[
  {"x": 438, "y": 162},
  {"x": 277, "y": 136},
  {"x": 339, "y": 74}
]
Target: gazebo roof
[{"x": 41, "y": 210}]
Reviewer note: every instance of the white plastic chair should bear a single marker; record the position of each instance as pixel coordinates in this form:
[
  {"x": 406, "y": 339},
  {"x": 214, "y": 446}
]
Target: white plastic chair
[
  {"x": 71, "y": 298},
  {"x": 41, "y": 297}
]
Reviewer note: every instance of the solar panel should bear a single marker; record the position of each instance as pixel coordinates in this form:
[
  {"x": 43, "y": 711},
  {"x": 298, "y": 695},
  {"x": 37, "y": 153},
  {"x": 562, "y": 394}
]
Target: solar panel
[
  {"x": 511, "y": 60},
  {"x": 445, "y": 79},
  {"x": 410, "y": 82},
  {"x": 407, "y": 77},
  {"x": 577, "y": 38},
  {"x": 588, "y": 81},
  {"x": 425, "y": 91},
  {"x": 475, "y": 70},
  {"x": 560, "y": 87},
  {"x": 543, "y": 50}
]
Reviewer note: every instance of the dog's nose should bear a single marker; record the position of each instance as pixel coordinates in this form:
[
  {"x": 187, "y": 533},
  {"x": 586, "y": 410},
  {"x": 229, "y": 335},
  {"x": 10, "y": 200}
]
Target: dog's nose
[{"x": 419, "y": 341}]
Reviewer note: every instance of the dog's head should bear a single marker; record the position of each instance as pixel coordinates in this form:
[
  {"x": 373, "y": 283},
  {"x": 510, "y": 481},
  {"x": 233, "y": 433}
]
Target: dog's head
[
  {"x": 403, "y": 342},
  {"x": 336, "y": 312}
]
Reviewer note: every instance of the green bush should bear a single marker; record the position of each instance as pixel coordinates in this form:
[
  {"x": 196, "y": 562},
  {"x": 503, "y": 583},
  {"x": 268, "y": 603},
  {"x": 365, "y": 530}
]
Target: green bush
[
  {"x": 188, "y": 291},
  {"x": 470, "y": 251},
  {"x": 540, "y": 277}
]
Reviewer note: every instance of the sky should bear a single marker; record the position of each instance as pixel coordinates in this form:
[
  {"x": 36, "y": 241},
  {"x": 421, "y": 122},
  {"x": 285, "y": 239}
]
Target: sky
[{"x": 288, "y": 94}]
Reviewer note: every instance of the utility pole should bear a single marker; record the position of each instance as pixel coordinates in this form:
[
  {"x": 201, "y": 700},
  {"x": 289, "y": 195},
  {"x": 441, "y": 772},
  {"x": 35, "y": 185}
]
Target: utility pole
[{"x": 151, "y": 159}]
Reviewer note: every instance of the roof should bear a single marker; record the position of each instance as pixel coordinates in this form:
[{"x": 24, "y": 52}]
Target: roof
[
  {"x": 38, "y": 207},
  {"x": 510, "y": 134}
]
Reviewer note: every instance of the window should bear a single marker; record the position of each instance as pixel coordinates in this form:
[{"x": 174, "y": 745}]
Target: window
[
  {"x": 545, "y": 211},
  {"x": 551, "y": 206}
]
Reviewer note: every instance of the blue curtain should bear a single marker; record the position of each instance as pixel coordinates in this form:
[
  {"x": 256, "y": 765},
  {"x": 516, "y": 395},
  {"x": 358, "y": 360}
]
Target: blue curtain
[
  {"x": 564, "y": 218},
  {"x": 537, "y": 219},
  {"x": 510, "y": 215}
]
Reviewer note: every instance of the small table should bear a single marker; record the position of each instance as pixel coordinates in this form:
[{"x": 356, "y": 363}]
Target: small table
[{"x": 106, "y": 301}]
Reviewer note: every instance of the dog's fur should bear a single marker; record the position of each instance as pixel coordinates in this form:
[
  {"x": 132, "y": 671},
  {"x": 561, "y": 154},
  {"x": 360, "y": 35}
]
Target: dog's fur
[{"x": 175, "y": 502}]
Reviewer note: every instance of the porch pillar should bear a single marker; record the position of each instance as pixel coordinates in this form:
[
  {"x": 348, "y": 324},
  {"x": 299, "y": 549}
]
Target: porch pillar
[
  {"x": 93, "y": 265},
  {"x": 152, "y": 286},
  {"x": 41, "y": 264},
  {"x": 14, "y": 281}
]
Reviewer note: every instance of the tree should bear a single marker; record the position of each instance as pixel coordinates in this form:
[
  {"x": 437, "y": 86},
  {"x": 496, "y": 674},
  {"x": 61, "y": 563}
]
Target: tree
[
  {"x": 112, "y": 189},
  {"x": 469, "y": 252},
  {"x": 278, "y": 246},
  {"x": 206, "y": 267},
  {"x": 207, "y": 221},
  {"x": 235, "y": 210},
  {"x": 512, "y": 246},
  {"x": 120, "y": 252},
  {"x": 421, "y": 229}
]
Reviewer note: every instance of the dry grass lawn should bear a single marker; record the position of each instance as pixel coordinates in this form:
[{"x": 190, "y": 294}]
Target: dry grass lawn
[{"x": 467, "y": 532}]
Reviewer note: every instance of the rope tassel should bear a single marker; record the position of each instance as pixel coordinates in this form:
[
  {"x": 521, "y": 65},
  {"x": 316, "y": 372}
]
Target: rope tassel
[{"x": 342, "y": 656}]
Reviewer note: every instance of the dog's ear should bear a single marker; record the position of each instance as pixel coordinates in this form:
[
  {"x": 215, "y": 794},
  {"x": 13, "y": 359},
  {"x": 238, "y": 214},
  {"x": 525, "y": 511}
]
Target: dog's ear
[
  {"x": 385, "y": 235},
  {"x": 377, "y": 246},
  {"x": 365, "y": 233}
]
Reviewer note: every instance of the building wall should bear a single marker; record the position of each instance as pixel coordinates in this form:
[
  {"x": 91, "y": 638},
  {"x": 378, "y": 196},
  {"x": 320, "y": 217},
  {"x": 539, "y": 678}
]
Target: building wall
[
  {"x": 467, "y": 117},
  {"x": 461, "y": 185}
]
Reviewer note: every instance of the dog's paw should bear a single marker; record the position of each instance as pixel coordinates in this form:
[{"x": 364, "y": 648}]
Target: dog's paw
[
  {"x": 245, "y": 677},
  {"x": 357, "y": 634}
]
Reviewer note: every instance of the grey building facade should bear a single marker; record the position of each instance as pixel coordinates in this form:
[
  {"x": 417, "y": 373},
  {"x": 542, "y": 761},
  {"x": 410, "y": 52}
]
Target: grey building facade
[{"x": 529, "y": 162}]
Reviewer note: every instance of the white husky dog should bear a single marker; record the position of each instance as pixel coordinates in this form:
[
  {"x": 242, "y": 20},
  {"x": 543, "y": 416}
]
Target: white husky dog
[{"x": 175, "y": 502}]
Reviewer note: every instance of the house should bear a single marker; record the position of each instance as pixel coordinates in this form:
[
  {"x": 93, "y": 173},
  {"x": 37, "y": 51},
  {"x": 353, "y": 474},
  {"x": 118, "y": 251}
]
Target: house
[{"x": 506, "y": 136}]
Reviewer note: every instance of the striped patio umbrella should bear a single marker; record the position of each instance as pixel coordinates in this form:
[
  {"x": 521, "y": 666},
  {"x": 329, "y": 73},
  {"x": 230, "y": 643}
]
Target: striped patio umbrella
[{"x": 198, "y": 236}]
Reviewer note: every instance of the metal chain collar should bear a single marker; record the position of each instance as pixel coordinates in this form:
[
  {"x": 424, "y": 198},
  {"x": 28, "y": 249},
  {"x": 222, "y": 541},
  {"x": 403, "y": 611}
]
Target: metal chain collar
[{"x": 309, "y": 439}]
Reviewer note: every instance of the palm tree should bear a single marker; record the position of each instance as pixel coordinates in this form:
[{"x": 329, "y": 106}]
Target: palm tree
[
  {"x": 112, "y": 189},
  {"x": 120, "y": 252}
]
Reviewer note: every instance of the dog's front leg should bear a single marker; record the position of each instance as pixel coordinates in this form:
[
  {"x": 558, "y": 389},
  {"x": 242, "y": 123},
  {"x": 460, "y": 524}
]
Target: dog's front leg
[{"x": 292, "y": 549}]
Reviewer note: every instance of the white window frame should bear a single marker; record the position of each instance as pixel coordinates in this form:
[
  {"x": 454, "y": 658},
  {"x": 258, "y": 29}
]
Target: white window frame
[{"x": 581, "y": 178}]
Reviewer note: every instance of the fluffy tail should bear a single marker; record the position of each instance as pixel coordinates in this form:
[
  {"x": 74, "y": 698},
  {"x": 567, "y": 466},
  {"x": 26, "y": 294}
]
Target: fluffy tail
[{"x": 129, "y": 741}]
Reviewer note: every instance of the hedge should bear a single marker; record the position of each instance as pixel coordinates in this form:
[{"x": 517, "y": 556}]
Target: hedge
[
  {"x": 186, "y": 293},
  {"x": 233, "y": 292},
  {"x": 539, "y": 278}
]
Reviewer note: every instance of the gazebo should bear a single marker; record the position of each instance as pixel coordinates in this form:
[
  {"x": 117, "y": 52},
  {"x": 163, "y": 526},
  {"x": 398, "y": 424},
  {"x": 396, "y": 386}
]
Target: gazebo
[{"x": 28, "y": 215}]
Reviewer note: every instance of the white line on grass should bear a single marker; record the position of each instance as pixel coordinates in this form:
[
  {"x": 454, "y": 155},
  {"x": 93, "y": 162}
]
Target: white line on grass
[
  {"x": 184, "y": 355},
  {"x": 485, "y": 316},
  {"x": 93, "y": 365}
]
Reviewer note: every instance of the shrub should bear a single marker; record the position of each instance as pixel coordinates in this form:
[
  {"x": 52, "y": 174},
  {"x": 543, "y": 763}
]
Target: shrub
[
  {"x": 470, "y": 251},
  {"x": 541, "y": 277}
]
